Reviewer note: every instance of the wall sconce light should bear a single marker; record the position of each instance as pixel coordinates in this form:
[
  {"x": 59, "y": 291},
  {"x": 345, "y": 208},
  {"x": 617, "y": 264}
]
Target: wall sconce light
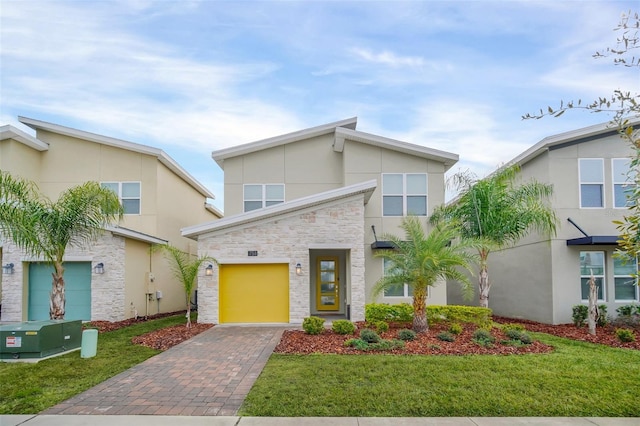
[
  {"x": 298, "y": 269},
  {"x": 99, "y": 268},
  {"x": 208, "y": 271},
  {"x": 8, "y": 268}
]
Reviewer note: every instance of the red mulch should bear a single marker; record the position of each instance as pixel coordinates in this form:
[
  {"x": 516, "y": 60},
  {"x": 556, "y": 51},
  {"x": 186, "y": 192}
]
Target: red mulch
[
  {"x": 328, "y": 342},
  {"x": 165, "y": 338}
]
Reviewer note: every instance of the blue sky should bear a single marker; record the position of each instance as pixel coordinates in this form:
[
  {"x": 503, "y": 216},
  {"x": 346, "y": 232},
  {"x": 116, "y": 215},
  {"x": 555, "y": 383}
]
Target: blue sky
[{"x": 191, "y": 77}]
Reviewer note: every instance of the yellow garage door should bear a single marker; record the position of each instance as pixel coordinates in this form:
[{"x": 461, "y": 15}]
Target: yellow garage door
[{"x": 254, "y": 293}]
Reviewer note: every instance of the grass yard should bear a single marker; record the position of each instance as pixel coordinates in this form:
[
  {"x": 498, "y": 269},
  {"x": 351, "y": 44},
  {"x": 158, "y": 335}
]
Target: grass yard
[
  {"x": 578, "y": 379},
  {"x": 30, "y": 388}
]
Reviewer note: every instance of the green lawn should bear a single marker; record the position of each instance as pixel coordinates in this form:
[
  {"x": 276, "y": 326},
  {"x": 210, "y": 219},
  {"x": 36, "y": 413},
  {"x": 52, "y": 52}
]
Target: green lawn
[
  {"x": 30, "y": 388},
  {"x": 578, "y": 379}
]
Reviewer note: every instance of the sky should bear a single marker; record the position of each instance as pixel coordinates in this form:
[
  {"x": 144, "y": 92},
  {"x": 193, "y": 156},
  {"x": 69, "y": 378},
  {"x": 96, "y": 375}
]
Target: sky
[{"x": 191, "y": 77}]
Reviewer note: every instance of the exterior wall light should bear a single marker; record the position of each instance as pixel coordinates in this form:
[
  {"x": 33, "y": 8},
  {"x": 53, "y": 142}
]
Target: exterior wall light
[
  {"x": 99, "y": 268},
  {"x": 8, "y": 268},
  {"x": 208, "y": 271},
  {"x": 298, "y": 269}
]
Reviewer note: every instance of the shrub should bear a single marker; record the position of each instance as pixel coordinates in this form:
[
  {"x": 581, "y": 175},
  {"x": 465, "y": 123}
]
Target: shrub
[
  {"x": 369, "y": 336},
  {"x": 313, "y": 325},
  {"x": 580, "y": 314},
  {"x": 381, "y": 326},
  {"x": 402, "y": 312},
  {"x": 513, "y": 334},
  {"x": 512, "y": 326},
  {"x": 406, "y": 334},
  {"x": 445, "y": 336},
  {"x": 460, "y": 314},
  {"x": 343, "y": 327},
  {"x": 359, "y": 344},
  {"x": 628, "y": 310},
  {"x": 625, "y": 335},
  {"x": 455, "y": 328},
  {"x": 483, "y": 337},
  {"x": 382, "y": 345},
  {"x": 602, "y": 319}
]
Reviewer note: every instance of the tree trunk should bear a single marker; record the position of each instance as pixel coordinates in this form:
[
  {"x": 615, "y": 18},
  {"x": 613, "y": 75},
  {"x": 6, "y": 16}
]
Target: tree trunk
[
  {"x": 593, "y": 305},
  {"x": 57, "y": 298},
  {"x": 483, "y": 279},
  {"x": 420, "y": 324},
  {"x": 188, "y": 313}
]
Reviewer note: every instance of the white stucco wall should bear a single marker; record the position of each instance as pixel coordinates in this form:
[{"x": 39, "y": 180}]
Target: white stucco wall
[{"x": 337, "y": 225}]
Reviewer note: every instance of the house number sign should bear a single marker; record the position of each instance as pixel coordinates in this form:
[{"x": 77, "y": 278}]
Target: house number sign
[{"x": 252, "y": 253}]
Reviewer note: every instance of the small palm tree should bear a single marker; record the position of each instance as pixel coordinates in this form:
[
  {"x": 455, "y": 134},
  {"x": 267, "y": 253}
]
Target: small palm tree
[
  {"x": 496, "y": 213},
  {"x": 185, "y": 269},
  {"x": 43, "y": 228},
  {"x": 421, "y": 260}
]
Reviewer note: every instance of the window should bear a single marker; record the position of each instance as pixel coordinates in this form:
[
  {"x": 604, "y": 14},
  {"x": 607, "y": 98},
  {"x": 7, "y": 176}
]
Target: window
[
  {"x": 622, "y": 182},
  {"x": 591, "y": 182},
  {"x": 592, "y": 262},
  {"x": 129, "y": 194},
  {"x": 404, "y": 194},
  {"x": 626, "y": 289},
  {"x": 257, "y": 196},
  {"x": 404, "y": 290}
]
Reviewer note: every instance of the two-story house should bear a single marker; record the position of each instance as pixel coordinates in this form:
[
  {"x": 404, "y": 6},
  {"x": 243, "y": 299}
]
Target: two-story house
[
  {"x": 118, "y": 277},
  {"x": 304, "y": 215},
  {"x": 541, "y": 279}
]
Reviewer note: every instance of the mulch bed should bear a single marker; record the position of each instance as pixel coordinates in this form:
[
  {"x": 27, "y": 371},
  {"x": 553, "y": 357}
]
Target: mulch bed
[{"x": 165, "y": 338}]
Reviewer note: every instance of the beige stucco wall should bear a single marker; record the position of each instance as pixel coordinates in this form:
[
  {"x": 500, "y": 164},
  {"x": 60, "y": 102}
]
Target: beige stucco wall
[
  {"x": 290, "y": 238},
  {"x": 20, "y": 160}
]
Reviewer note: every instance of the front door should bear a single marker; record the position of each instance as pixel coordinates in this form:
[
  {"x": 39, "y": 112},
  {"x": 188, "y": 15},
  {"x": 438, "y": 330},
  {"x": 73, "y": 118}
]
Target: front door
[{"x": 328, "y": 284}]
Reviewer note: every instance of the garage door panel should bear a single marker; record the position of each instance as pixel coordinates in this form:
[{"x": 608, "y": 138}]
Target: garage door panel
[
  {"x": 77, "y": 279},
  {"x": 254, "y": 293}
]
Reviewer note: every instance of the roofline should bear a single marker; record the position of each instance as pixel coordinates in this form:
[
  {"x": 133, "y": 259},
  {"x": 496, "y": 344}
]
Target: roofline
[
  {"x": 10, "y": 132},
  {"x": 565, "y": 137},
  {"x": 213, "y": 209},
  {"x": 135, "y": 235},
  {"x": 365, "y": 188},
  {"x": 222, "y": 154},
  {"x": 169, "y": 162},
  {"x": 342, "y": 134}
]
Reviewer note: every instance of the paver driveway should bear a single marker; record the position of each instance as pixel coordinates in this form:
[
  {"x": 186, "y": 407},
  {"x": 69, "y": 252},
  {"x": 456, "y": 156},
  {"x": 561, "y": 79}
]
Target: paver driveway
[{"x": 208, "y": 375}]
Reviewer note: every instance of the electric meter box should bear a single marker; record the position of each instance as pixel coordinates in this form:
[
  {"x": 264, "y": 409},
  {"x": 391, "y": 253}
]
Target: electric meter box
[{"x": 39, "y": 339}]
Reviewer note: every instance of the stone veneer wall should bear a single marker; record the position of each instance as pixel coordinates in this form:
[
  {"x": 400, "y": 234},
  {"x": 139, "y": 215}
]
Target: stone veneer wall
[
  {"x": 337, "y": 225},
  {"x": 107, "y": 290}
]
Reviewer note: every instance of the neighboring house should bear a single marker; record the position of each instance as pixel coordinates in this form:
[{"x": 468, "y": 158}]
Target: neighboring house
[
  {"x": 541, "y": 279},
  {"x": 302, "y": 212},
  {"x": 117, "y": 277}
]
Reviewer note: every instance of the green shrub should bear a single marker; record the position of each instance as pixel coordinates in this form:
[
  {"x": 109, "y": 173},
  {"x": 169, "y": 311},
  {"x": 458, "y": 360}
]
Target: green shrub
[
  {"x": 380, "y": 326},
  {"x": 579, "y": 315},
  {"x": 313, "y": 325},
  {"x": 369, "y": 336},
  {"x": 455, "y": 328},
  {"x": 406, "y": 334},
  {"x": 513, "y": 334},
  {"x": 628, "y": 310},
  {"x": 359, "y": 344},
  {"x": 625, "y": 335},
  {"x": 512, "y": 326},
  {"x": 526, "y": 339},
  {"x": 602, "y": 319},
  {"x": 402, "y": 312},
  {"x": 386, "y": 345},
  {"x": 460, "y": 314},
  {"x": 445, "y": 336},
  {"x": 343, "y": 327},
  {"x": 483, "y": 337}
]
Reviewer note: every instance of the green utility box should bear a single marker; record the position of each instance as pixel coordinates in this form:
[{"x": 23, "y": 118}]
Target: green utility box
[{"x": 39, "y": 339}]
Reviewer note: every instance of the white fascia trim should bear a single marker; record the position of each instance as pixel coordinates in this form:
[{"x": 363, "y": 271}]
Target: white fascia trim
[
  {"x": 565, "y": 137},
  {"x": 365, "y": 188},
  {"x": 342, "y": 134},
  {"x": 135, "y": 235},
  {"x": 253, "y": 260},
  {"x": 220, "y": 155},
  {"x": 214, "y": 210},
  {"x": 9, "y": 132},
  {"x": 119, "y": 143}
]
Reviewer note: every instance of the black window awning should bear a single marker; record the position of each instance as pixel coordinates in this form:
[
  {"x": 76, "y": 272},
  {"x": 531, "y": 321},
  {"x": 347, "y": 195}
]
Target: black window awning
[
  {"x": 382, "y": 245},
  {"x": 594, "y": 240}
]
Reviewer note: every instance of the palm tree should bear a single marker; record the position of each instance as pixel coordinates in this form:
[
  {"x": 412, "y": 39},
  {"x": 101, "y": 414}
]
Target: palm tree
[
  {"x": 44, "y": 229},
  {"x": 496, "y": 213},
  {"x": 421, "y": 260},
  {"x": 185, "y": 269}
]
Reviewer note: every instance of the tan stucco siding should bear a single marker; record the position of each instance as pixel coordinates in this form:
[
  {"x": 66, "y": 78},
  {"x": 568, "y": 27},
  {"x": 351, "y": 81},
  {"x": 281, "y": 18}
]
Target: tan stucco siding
[{"x": 20, "y": 160}]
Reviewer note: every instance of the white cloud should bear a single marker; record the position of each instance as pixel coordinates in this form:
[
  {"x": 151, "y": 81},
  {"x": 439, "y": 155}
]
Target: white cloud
[{"x": 389, "y": 58}]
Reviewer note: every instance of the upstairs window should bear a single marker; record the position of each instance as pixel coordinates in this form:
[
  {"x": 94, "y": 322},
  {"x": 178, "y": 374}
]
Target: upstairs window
[
  {"x": 257, "y": 196},
  {"x": 404, "y": 194},
  {"x": 623, "y": 186},
  {"x": 591, "y": 182},
  {"x": 128, "y": 193}
]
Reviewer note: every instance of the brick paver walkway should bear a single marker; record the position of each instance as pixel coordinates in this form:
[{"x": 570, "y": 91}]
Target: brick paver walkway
[{"x": 208, "y": 375}]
